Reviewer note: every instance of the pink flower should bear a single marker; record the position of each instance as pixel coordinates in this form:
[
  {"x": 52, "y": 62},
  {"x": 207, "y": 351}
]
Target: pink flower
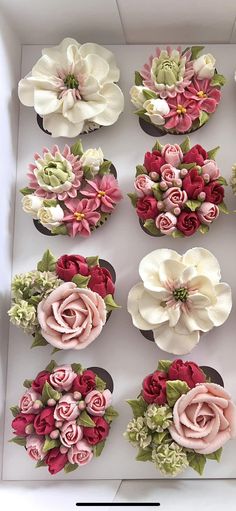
[
  {"x": 62, "y": 377},
  {"x": 172, "y": 154},
  {"x": 80, "y": 454},
  {"x": 169, "y": 174},
  {"x": 71, "y": 433},
  {"x": 182, "y": 113},
  {"x": 207, "y": 212},
  {"x": 208, "y": 97},
  {"x": 34, "y": 447},
  {"x": 105, "y": 190},
  {"x": 204, "y": 419},
  {"x": 28, "y": 400},
  {"x": 97, "y": 402},
  {"x": 210, "y": 168},
  {"x": 166, "y": 222},
  {"x": 174, "y": 197},
  {"x": 83, "y": 215},
  {"x": 143, "y": 185},
  {"x": 66, "y": 409},
  {"x": 71, "y": 317}
]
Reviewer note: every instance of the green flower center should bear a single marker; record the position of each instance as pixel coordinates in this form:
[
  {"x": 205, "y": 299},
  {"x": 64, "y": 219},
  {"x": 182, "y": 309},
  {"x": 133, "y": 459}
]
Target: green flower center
[
  {"x": 71, "y": 82},
  {"x": 180, "y": 294},
  {"x": 54, "y": 173}
]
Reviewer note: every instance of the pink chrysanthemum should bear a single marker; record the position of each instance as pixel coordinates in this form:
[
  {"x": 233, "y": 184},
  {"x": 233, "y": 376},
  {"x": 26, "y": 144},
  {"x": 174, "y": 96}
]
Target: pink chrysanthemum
[
  {"x": 105, "y": 190},
  {"x": 208, "y": 97},
  {"x": 82, "y": 216},
  {"x": 182, "y": 113}
]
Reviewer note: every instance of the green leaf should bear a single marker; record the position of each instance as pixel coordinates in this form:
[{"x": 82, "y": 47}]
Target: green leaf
[
  {"x": 149, "y": 94},
  {"x": 138, "y": 80},
  {"x": 27, "y": 384},
  {"x": 92, "y": 261},
  {"x": 47, "y": 263},
  {"x": 151, "y": 227},
  {"x": 98, "y": 448},
  {"x": 110, "y": 414},
  {"x": 77, "y": 148},
  {"x": 185, "y": 146},
  {"x": 157, "y": 192},
  {"x": 38, "y": 341},
  {"x": 196, "y": 461},
  {"x": 175, "y": 389},
  {"x": 139, "y": 406},
  {"x": 88, "y": 172},
  {"x": 50, "y": 443},
  {"x": 27, "y": 191},
  {"x": 140, "y": 169},
  {"x": 70, "y": 467},
  {"x": 85, "y": 420},
  {"x": 218, "y": 80},
  {"x": 133, "y": 197},
  {"x": 164, "y": 365},
  {"x": 15, "y": 410},
  {"x": 203, "y": 118},
  {"x": 104, "y": 168},
  {"x": 40, "y": 463},
  {"x": 77, "y": 368},
  {"x": 110, "y": 303},
  {"x": 212, "y": 153},
  {"x": 48, "y": 203},
  {"x": 203, "y": 229},
  {"x": 193, "y": 204},
  {"x": 195, "y": 51},
  {"x": 223, "y": 208},
  {"x": 49, "y": 393},
  {"x": 157, "y": 146},
  {"x": 55, "y": 350},
  {"x": 100, "y": 384},
  {"x": 144, "y": 455},
  {"x": 19, "y": 440},
  {"x": 215, "y": 455},
  {"x": 177, "y": 234},
  {"x": 187, "y": 166},
  {"x": 60, "y": 229},
  {"x": 81, "y": 280},
  {"x": 51, "y": 366},
  {"x": 222, "y": 181}
]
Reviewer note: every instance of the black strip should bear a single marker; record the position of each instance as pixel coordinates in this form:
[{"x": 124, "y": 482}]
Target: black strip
[{"x": 118, "y": 504}]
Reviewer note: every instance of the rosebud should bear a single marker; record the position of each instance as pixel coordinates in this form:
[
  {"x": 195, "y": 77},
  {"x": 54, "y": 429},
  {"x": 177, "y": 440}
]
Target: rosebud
[
  {"x": 54, "y": 434},
  {"x": 51, "y": 402},
  {"x": 177, "y": 211},
  {"x": 183, "y": 172},
  {"x": 178, "y": 182},
  {"x": 59, "y": 424},
  {"x": 37, "y": 404},
  {"x": 201, "y": 196},
  {"x": 163, "y": 185},
  {"x": 82, "y": 405},
  {"x": 154, "y": 176},
  {"x": 29, "y": 429},
  {"x": 77, "y": 395},
  {"x": 63, "y": 449},
  {"x": 160, "y": 205},
  {"x": 206, "y": 178}
]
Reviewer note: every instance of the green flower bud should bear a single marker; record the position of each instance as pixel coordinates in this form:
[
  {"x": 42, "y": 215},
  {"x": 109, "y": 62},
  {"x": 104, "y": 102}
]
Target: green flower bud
[
  {"x": 158, "y": 418},
  {"x": 170, "y": 458},
  {"x": 137, "y": 433}
]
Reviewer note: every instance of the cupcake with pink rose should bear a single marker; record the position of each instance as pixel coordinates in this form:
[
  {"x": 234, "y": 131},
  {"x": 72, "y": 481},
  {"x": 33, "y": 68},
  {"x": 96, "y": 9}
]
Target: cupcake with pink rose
[
  {"x": 179, "y": 190},
  {"x": 65, "y": 302},
  {"x": 66, "y": 421}
]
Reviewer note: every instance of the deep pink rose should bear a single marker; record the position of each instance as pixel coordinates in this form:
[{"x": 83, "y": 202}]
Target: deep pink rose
[
  {"x": 97, "y": 402},
  {"x": 147, "y": 208},
  {"x": 69, "y": 265},
  {"x": 214, "y": 192},
  {"x": 66, "y": 409},
  {"x": 193, "y": 184},
  {"x": 56, "y": 460},
  {"x": 84, "y": 383},
  {"x": 62, "y": 377},
  {"x": 153, "y": 161},
  {"x": 71, "y": 433},
  {"x": 188, "y": 223},
  {"x": 38, "y": 383},
  {"x": 195, "y": 155},
  {"x": 34, "y": 447},
  {"x": 101, "y": 281},
  {"x": 174, "y": 197},
  {"x": 169, "y": 174},
  {"x": 143, "y": 185},
  {"x": 154, "y": 388},
  {"x": 21, "y": 421},
  {"x": 210, "y": 168},
  {"x": 172, "y": 154},
  {"x": 98, "y": 433},
  {"x": 186, "y": 371},
  {"x": 28, "y": 400},
  {"x": 44, "y": 422},
  {"x": 207, "y": 212},
  {"x": 166, "y": 222},
  {"x": 80, "y": 453}
]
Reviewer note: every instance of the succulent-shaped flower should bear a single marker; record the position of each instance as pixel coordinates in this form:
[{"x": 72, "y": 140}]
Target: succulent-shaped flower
[
  {"x": 24, "y": 315},
  {"x": 158, "y": 418},
  {"x": 137, "y": 433},
  {"x": 170, "y": 459}
]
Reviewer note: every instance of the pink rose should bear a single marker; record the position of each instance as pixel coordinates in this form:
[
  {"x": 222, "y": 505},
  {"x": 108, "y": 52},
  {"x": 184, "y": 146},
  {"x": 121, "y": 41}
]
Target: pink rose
[
  {"x": 204, "y": 419},
  {"x": 97, "y": 402},
  {"x": 62, "y": 377},
  {"x": 80, "y": 453},
  {"x": 166, "y": 222},
  {"x": 210, "y": 168},
  {"x": 66, "y": 409},
  {"x": 207, "y": 212},
  {"x": 143, "y": 185},
  {"x": 169, "y": 173},
  {"x": 172, "y": 154},
  {"x": 71, "y": 433},
  {"x": 28, "y": 400},
  {"x": 71, "y": 317},
  {"x": 34, "y": 447},
  {"x": 174, "y": 197}
]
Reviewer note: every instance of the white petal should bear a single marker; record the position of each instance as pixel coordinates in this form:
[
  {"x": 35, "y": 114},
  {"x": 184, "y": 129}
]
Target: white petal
[
  {"x": 68, "y": 102},
  {"x": 59, "y": 53},
  {"x": 156, "y": 119},
  {"x": 45, "y": 67},
  {"x": 205, "y": 263},
  {"x": 171, "y": 271},
  {"x": 198, "y": 319},
  {"x": 167, "y": 339},
  {"x": 149, "y": 266},
  {"x": 199, "y": 301},
  {"x": 97, "y": 67},
  {"x": 134, "y": 297},
  {"x": 174, "y": 315},
  {"x": 96, "y": 49},
  {"x": 26, "y": 92},
  {"x": 83, "y": 110},
  {"x": 151, "y": 310},
  {"x": 46, "y": 101},
  {"x": 189, "y": 273},
  {"x": 89, "y": 89},
  {"x": 114, "y": 105},
  {"x": 202, "y": 285},
  {"x": 59, "y": 126},
  {"x": 219, "y": 312}
]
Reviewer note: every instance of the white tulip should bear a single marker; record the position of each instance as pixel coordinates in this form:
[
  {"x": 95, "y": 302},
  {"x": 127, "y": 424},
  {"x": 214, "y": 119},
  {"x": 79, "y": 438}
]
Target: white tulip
[
  {"x": 204, "y": 66},
  {"x": 51, "y": 216},
  {"x": 31, "y": 204},
  {"x": 137, "y": 97},
  {"x": 156, "y": 109},
  {"x": 92, "y": 158}
]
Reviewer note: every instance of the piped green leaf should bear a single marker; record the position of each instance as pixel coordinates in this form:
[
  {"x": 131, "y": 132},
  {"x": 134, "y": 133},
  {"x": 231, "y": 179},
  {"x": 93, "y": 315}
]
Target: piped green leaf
[
  {"x": 149, "y": 94},
  {"x": 187, "y": 166},
  {"x": 27, "y": 384},
  {"x": 157, "y": 146},
  {"x": 215, "y": 455},
  {"x": 140, "y": 169},
  {"x": 151, "y": 227},
  {"x": 110, "y": 414},
  {"x": 60, "y": 229},
  {"x": 88, "y": 172},
  {"x": 27, "y": 191},
  {"x": 77, "y": 368},
  {"x": 48, "y": 203},
  {"x": 70, "y": 467},
  {"x": 175, "y": 389},
  {"x": 49, "y": 393},
  {"x": 40, "y": 463},
  {"x": 144, "y": 455},
  {"x": 104, "y": 167},
  {"x": 47, "y": 263},
  {"x": 139, "y": 406},
  {"x": 157, "y": 192},
  {"x": 77, "y": 148},
  {"x": 185, "y": 145},
  {"x": 51, "y": 366},
  {"x": 223, "y": 208},
  {"x": 195, "y": 51},
  {"x": 196, "y": 462},
  {"x": 81, "y": 280},
  {"x": 222, "y": 181},
  {"x": 98, "y": 448},
  {"x": 133, "y": 197},
  {"x": 218, "y": 80},
  {"x": 92, "y": 261},
  {"x": 164, "y": 365},
  {"x": 193, "y": 204},
  {"x": 177, "y": 234},
  {"x": 138, "y": 80},
  {"x": 85, "y": 420},
  {"x": 38, "y": 341},
  {"x": 15, "y": 410},
  {"x": 203, "y": 229},
  {"x": 110, "y": 303},
  {"x": 50, "y": 443},
  {"x": 19, "y": 440},
  {"x": 212, "y": 153},
  {"x": 100, "y": 384},
  {"x": 203, "y": 118}
]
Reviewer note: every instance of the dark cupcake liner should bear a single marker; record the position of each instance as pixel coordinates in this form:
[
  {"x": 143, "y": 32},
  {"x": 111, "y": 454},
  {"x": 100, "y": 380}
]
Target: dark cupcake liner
[
  {"x": 157, "y": 132},
  {"x": 141, "y": 223},
  {"x": 104, "y": 375},
  {"x": 40, "y": 125}
]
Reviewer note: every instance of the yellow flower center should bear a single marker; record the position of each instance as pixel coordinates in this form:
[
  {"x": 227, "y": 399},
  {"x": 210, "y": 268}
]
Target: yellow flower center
[
  {"x": 201, "y": 94},
  {"x": 180, "y": 109},
  {"x": 78, "y": 216},
  {"x": 101, "y": 193}
]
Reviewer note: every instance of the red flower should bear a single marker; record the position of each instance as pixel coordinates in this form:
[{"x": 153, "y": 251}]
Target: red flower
[
  {"x": 154, "y": 388},
  {"x": 97, "y": 433},
  {"x": 21, "y": 421},
  {"x": 146, "y": 207},
  {"x": 101, "y": 281},
  {"x": 38, "y": 383},
  {"x": 195, "y": 155},
  {"x": 193, "y": 184},
  {"x": 69, "y": 265},
  {"x": 186, "y": 371},
  {"x": 44, "y": 422},
  {"x": 188, "y": 223},
  {"x": 84, "y": 383},
  {"x": 153, "y": 161},
  {"x": 214, "y": 192},
  {"x": 55, "y": 460}
]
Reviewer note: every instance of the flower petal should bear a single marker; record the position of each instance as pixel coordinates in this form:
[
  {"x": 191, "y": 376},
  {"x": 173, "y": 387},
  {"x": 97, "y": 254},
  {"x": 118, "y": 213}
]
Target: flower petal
[
  {"x": 46, "y": 101},
  {"x": 220, "y": 311},
  {"x": 59, "y": 126},
  {"x": 97, "y": 67},
  {"x": 171, "y": 271},
  {"x": 114, "y": 104},
  {"x": 83, "y": 110},
  {"x": 151, "y": 310},
  {"x": 149, "y": 266},
  {"x": 205, "y": 263},
  {"x": 134, "y": 297},
  {"x": 168, "y": 339},
  {"x": 96, "y": 49}
]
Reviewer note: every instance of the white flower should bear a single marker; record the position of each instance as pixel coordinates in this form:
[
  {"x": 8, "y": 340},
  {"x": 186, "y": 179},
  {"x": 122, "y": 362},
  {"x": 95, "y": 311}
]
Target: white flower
[
  {"x": 92, "y": 158},
  {"x": 31, "y": 204},
  {"x": 179, "y": 297},
  {"x": 204, "y": 66},
  {"x": 156, "y": 109},
  {"x": 50, "y": 216},
  {"x": 71, "y": 85},
  {"x": 137, "y": 97}
]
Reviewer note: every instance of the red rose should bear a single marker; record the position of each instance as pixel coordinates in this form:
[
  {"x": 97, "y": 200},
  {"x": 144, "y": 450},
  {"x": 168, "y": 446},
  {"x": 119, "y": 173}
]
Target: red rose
[
  {"x": 97, "y": 433},
  {"x": 146, "y": 207},
  {"x": 195, "y": 155},
  {"x": 214, "y": 192},
  {"x": 188, "y": 223},
  {"x": 21, "y": 421},
  {"x": 55, "y": 460},
  {"x": 44, "y": 422},
  {"x": 69, "y": 265},
  {"x": 39, "y": 381},
  {"x": 101, "y": 281},
  {"x": 193, "y": 184},
  {"x": 84, "y": 383},
  {"x": 153, "y": 161},
  {"x": 154, "y": 388},
  {"x": 186, "y": 371}
]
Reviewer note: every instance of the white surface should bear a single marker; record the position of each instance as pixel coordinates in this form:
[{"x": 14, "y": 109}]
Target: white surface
[{"x": 121, "y": 349}]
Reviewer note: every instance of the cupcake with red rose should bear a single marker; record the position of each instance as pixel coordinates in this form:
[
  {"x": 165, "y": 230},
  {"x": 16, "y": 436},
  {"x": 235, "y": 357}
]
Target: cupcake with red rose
[
  {"x": 177, "y": 90},
  {"x": 179, "y": 190},
  {"x": 180, "y": 419},
  {"x": 70, "y": 191},
  {"x": 64, "y": 302},
  {"x": 64, "y": 417}
]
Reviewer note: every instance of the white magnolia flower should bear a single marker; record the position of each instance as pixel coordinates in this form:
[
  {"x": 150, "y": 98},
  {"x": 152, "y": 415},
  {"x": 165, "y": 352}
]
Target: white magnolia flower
[
  {"x": 51, "y": 216},
  {"x": 156, "y": 109},
  {"x": 137, "y": 97},
  {"x": 179, "y": 297},
  {"x": 204, "y": 66},
  {"x": 93, "y": 158},
  {"x": 71, "y": 86},
  {"x": 31, "y": 204}
]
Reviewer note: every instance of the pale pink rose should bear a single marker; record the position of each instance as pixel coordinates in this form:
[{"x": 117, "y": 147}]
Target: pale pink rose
[
  {"x": 34, "y": 447},
  {"x": 71, "y": 317},
  {"x": 66, "y": 409},
  {"x": 27, "y": 402},
  {"x": 204, "y": 419},
  {"x": 166, "y": 222},
  {"x": 80, "y": 453},
  {"x": 210, "y": 168},
  {"x": 172, "y": 154},
  {"x": 62, "y": 377},
  {"x": 71, "y": 433},
  {"x": 143, "y": 185},
  {"x": 169, "y": 173},
  {"x": 207, "y": 212},
  {"x": 97, "y": 402},
  {"x": 174, "y": 197}
]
